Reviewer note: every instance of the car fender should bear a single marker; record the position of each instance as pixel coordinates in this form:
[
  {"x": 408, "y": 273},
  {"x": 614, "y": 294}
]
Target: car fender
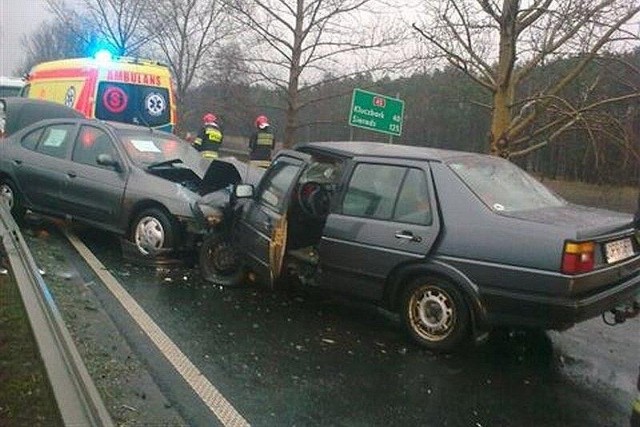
[
  {"x": 470, "y": 290},
  {"x": 4, "y": 175},
  {"x": 145, "y": 190}
]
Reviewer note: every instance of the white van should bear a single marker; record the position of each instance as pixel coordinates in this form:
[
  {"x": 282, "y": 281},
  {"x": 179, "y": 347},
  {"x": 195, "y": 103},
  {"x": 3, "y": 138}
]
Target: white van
[{"x": 10, "y": 86}]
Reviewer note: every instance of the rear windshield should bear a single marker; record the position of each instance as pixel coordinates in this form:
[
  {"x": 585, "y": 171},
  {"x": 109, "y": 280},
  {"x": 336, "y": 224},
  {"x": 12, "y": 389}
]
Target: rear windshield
[
  {"x": 130, "y": 103},
  {"x": 503, "y": 186}
]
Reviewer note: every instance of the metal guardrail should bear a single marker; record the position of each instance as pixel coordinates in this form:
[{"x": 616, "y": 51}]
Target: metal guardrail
[{"x": 78, "y": 399}]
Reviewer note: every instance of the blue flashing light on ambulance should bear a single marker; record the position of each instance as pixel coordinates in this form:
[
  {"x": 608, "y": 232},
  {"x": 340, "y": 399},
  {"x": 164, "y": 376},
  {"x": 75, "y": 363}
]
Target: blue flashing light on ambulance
[{"x": 121, "y": 89}]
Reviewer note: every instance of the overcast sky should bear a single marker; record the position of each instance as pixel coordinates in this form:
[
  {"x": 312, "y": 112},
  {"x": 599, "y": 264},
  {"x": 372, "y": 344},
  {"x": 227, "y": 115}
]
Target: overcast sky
[{"x": 17, "y": 18}]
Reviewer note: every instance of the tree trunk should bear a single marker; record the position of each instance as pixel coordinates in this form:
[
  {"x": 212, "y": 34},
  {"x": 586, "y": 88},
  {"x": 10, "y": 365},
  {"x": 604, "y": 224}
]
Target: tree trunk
[
  {"x": 500, "y": 120},
  {"x": 294, "y": 80},
  {"x": 503, "y": 96}
]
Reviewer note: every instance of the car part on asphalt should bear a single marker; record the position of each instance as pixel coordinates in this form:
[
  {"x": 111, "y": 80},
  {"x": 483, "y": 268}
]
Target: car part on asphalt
[{"x": 621, "y": 313}]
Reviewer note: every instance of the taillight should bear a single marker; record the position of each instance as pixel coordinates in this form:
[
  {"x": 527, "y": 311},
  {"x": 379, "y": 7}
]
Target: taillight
[{"x": 578, "y": 257}]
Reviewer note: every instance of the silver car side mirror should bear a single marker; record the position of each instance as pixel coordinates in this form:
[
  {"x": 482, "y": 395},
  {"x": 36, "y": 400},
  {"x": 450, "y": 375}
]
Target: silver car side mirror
[{"x": 107, "y": 160}]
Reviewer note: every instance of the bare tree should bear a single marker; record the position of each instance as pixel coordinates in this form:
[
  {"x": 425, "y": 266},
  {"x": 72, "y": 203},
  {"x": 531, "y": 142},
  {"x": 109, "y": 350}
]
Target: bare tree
[
  {"x": 187, "y": 33},
  {"x": 55, "y": 40},
  {"x": 117, "y": 23},
  {"x": 500, "y": 44},
  {"x": 298, "y": 41}
]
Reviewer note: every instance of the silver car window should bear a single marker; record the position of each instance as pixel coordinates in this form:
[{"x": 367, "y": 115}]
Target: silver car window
[
  {"x": 274, "y": 187},
  {"x": 30, "y": 140},
  {"x": 413, "y": 201},
  {"x": 90, "y": 143},
  {"x": 373, "y": 190},
  {"x": 55, "y": 140}
]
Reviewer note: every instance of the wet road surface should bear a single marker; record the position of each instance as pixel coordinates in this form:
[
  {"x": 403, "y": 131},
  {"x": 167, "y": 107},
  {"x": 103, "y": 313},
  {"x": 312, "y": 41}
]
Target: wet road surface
[{"x": 296, "y": 357}]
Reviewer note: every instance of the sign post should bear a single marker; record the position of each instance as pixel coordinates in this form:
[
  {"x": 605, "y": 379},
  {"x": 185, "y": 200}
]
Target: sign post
[{"x": 376, "y": 112}]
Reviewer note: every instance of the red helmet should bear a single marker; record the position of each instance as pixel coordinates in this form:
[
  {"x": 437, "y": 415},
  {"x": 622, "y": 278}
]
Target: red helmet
[
  {"x": 262, "y": 122},
  {"x": 209, "y": 118}
]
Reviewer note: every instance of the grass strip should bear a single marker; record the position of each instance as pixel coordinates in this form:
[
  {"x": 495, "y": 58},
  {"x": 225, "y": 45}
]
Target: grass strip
[{"x": 26, "y": 397}]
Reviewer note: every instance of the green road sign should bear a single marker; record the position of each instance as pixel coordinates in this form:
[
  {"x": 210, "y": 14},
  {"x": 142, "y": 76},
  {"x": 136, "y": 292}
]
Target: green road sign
[{"x": 376, "y": 112}]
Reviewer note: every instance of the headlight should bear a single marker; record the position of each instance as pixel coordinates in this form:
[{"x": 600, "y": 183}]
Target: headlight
[{"x": 213, "y": 216}]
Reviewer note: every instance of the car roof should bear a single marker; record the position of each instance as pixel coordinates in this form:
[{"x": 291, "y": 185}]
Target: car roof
[
  {"x": 22, "y": 112},
  {"x": 382, "y": 150},
  {"x": 11, "y": 81},
  {"x": 114, "y": 126}
]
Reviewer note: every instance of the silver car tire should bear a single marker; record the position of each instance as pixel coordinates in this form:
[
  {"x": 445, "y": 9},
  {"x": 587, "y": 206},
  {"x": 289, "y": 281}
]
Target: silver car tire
[
  {"x": 9, "y": 194},
  {"x": 152, "y": 231},
  {"x": 434, "y": 313}
]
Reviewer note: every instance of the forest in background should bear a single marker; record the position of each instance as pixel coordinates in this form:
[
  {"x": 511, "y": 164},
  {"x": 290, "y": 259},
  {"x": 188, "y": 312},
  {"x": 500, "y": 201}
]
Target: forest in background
[
  {"x": 554, "y": 86},
  {"x": 445, "y": 109}
]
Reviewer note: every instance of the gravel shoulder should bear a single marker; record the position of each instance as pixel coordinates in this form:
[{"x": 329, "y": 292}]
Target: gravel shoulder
[{"x": 128, "y": 390}]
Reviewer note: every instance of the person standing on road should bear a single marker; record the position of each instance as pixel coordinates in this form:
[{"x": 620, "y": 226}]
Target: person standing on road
[
  {"x": 262, "y": 141},
  {"x": 210, "y": 137}
]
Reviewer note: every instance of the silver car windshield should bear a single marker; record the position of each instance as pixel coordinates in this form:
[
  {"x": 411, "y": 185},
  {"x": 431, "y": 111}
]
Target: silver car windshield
[
  {"x": 146, "y": 149},
  {"x": 503, "y": 186}
]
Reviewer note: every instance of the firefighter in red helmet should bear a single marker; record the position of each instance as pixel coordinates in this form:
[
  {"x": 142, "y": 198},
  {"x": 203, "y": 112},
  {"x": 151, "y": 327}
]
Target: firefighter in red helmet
[
  {"x": 262, "y": 141},
  {"x": 209, "y": 138}
]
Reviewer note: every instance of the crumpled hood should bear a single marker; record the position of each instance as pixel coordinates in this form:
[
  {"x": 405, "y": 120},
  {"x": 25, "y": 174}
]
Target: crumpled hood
[
  {"x": 587, "y": 222},
  {"x": 219, "y": 174}
]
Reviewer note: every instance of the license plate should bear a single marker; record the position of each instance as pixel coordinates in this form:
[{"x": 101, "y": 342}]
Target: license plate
[{"x": 618, "y": 250}]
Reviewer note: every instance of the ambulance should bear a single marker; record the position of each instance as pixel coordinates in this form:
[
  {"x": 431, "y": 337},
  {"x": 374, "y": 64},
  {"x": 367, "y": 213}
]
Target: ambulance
[{"x": 120, "y": 89}]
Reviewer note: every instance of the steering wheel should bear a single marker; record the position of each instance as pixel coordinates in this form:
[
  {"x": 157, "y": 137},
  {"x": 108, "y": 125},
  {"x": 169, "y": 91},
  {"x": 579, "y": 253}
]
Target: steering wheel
[{"x": 314, "y": 199}]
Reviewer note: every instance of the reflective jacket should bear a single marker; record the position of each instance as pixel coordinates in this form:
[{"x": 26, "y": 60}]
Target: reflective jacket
[
  {"x": 261, "y": 144},
  {"x": 209, "y": 138}
]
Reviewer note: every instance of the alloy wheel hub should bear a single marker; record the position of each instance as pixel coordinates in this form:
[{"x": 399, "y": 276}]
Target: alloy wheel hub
[{"x": 435, "y": 313}]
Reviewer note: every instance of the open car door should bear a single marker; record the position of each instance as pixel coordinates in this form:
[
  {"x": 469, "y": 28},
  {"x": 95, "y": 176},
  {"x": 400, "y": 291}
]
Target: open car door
[{"x": 261, "y": 233}]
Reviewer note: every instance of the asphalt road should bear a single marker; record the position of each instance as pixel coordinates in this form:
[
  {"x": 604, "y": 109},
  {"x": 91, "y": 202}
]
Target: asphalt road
[{"x": 299, "y": 357}]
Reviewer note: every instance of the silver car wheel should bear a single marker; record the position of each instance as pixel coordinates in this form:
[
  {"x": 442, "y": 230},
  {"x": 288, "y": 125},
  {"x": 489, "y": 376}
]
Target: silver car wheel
[
  {"x": 149, "y": 235},
  {"x": 6, "y": 195},
  {"x": 432, "y": 313}
]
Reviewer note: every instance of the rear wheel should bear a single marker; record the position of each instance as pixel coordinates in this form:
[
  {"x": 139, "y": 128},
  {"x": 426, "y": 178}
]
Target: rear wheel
[
  {"x": 434, "y": 313},
  {"x": 9, "y": 194},
  {"x": 152, "y": 231},
  {"x": 220, "y": 262}
]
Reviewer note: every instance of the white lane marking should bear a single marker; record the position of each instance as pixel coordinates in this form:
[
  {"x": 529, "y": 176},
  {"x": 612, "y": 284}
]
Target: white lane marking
[{"x": 209, "y": 394}]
